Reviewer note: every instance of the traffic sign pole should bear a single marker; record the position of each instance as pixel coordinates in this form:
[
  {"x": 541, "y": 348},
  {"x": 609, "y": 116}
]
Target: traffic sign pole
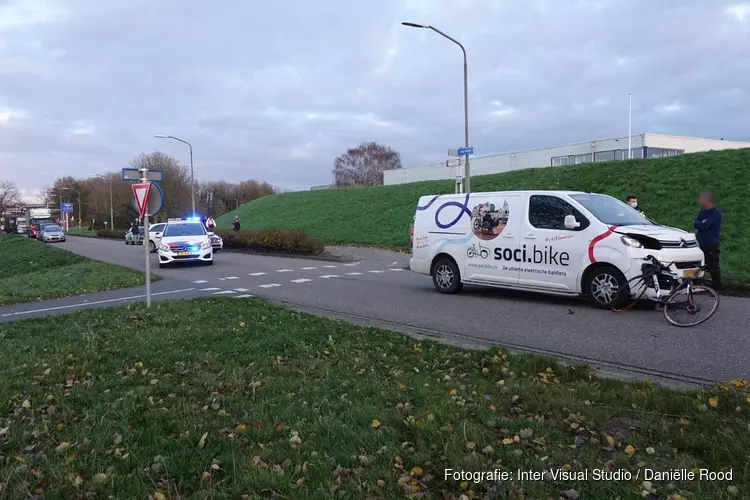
[{"x": 141, "y": 193}]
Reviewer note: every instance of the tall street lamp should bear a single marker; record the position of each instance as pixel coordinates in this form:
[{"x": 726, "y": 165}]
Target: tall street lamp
[
  {"x": 192, "y": 177},
  {"x": 467, "y": 173},
  {"x": 111, "y": 207},
  {"x": 79, "y": 204}
]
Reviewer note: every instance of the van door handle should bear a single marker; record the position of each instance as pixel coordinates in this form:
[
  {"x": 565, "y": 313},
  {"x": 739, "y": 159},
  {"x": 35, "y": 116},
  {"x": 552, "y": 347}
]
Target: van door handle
[
  {"x": 530, "y": 236},
  {"x": 508, "y": 235}
]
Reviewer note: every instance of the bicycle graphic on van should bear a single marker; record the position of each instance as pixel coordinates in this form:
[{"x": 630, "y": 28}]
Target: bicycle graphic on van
[{"x": 482, "y": 252}]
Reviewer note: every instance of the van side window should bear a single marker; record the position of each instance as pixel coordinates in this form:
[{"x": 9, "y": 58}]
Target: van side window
[{"x": 548, "y": 212}]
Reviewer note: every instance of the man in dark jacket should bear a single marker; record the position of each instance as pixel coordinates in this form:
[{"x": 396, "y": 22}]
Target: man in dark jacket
[
  {"x": 633, "y": 202},
  {"x": 708, "y": 232}
]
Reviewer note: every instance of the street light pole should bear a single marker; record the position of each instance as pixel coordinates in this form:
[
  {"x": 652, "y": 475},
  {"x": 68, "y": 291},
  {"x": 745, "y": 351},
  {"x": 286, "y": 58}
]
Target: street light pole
[
  {"x": 192, "y": 177},
  {"x": 467, "y": 172}
]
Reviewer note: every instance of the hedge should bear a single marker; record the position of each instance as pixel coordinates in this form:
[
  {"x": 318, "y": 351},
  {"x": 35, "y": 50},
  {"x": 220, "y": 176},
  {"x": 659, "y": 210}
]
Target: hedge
[
  {"x": 117, "y": 234},
  {"x": 272, "y": 240}
]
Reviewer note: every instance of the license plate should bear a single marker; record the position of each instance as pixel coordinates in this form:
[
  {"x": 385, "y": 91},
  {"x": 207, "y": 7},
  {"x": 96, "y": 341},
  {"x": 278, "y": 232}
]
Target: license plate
[
  {"x": 185, "y": 254},
  {"x": 690, "y": 273}
]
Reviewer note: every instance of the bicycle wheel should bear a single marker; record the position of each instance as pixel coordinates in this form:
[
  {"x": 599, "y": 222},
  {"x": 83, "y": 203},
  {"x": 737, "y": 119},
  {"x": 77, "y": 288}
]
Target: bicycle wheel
[
  {"x": 629, "y": 294},
  {"x": 686, "y": 309}
]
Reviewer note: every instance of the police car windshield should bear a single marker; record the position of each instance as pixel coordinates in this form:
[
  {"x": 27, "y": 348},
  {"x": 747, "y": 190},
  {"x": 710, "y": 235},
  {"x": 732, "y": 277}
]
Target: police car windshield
[
  {"x": 184, "y": 229},
  {"x": 611, "y": 211}
]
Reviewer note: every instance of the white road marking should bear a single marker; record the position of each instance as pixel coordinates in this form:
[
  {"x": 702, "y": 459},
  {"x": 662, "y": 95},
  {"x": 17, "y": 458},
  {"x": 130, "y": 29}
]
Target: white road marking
[
  {"x": 245, "y": 296},
  {"x": 394, "y": 263},
  {"x": 241, "y": 290},
  {"x": 224, "y": 292},
  {"x": 328, "y": 276},
  {"x": 231, "y": 278},
  {"x": 330, "y": 267},
  {"x": 352, "y": 264},
  {"x": 222, "y": 279},
  {"x": 354, "y": 274},
  {"x": 256, "y": 274},
  {"x": 284, "y": 270},
  {"x": 301, "y": 280},
  {"x": 376, "y": 272},
  {"x": 83, "y": 304},
  {"x": 395, "y": 269},
  {"x": 270, "y": 285},
  {"x": 308, "y": 268},
  {"x": 198, "y": 282},
  {"x": 210, "y": 289}
]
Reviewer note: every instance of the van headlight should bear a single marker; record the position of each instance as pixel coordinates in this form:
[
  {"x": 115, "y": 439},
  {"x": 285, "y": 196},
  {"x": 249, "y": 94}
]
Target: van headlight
[{"x": 631, "y": 242}]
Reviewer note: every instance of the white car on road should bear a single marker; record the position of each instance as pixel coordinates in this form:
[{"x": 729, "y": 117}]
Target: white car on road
[
  {"x": 184, "y": 241},
  {"x": 155, "y": 233}
]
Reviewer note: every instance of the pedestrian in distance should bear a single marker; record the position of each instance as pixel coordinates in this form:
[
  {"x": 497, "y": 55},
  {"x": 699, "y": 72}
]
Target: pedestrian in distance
[
  {"x": 633, "y": 202},
  {"x": 236, "y": 223},
  {"x": 708, "y": 234}
]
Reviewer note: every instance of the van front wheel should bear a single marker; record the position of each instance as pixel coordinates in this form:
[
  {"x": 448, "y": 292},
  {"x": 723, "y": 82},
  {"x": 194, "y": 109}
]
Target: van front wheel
[
  {"x": 602, "y": 285},
  {"x": 446, "y": 276}
]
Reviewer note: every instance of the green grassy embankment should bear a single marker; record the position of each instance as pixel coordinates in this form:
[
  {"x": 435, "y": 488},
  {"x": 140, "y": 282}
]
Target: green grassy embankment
[
  {"x": 31, "y": 270},
  {"x": 667, "y": 189},
  {"x": 223, "y": 398}
]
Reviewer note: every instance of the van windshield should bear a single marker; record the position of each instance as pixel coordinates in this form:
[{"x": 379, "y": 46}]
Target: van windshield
[{"x": 611, "y": 211}]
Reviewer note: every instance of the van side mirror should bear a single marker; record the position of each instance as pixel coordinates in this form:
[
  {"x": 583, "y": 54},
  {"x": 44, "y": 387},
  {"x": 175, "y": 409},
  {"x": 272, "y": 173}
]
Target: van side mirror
[{"x": 571, "y": 222}]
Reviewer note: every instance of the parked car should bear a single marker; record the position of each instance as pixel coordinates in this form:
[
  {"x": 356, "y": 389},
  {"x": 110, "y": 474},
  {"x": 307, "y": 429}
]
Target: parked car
[
  {"x": 556, "y": 242},
  {"x": 51, "y": 232},
  {"x": 154, "y": 236},
  {"x": 216, "y": 242}
]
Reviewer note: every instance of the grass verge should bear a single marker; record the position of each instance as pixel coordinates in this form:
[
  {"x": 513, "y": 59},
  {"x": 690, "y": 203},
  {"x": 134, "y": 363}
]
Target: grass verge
[
  {"x": 224, "y": 398},
  {"x": 667, "y": 189},
  {"x": 33, "y": 271}
]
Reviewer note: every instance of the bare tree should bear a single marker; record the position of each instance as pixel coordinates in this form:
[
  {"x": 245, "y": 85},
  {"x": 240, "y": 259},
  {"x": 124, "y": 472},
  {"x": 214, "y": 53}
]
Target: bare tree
[
  {"x": 46, "y": 196},
  {"x": 9, "y": 195},
  {"x": 364, "y": 165}
]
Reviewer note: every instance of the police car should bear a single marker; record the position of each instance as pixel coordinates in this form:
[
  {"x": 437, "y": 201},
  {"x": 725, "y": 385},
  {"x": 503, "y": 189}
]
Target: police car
[{"x": 185, "y": 240}]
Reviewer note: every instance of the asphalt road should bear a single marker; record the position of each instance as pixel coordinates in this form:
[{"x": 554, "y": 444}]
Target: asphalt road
[{"x": 377, "y": 291}]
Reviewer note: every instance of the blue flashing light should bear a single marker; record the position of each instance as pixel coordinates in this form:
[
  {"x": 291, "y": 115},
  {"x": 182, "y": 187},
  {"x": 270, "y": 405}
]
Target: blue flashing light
[{"x": 194, "y": 219}]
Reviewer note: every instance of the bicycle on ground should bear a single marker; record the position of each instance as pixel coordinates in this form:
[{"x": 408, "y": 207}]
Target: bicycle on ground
[{"x": 688, "y": 302}]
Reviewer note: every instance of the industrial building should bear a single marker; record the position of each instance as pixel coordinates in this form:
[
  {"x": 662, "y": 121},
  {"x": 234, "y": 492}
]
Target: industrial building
[{"x": 642, "y": 146}]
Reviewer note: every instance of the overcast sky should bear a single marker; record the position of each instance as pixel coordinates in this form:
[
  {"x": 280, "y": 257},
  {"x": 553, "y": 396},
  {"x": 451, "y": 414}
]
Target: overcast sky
[{"x": 274, "y": 91}]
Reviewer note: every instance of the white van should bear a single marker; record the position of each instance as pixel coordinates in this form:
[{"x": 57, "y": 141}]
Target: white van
[{"x": 557, "y": 242}]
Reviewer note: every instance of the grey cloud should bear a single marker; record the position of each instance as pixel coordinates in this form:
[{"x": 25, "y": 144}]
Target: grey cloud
[{"x": 275, "y": 91}]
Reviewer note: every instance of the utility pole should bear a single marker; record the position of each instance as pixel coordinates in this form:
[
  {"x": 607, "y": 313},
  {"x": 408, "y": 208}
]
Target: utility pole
[{"x": 630, "y": 125}]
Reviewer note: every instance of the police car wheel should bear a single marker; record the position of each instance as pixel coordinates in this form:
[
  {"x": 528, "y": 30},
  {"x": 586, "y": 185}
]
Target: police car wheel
[
  {"x": 602, "y": 285},
  {"x": 446, "y": 277}
]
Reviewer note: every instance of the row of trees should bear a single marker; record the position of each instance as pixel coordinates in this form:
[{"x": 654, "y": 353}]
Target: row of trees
[{"x": 211, "y": 198}]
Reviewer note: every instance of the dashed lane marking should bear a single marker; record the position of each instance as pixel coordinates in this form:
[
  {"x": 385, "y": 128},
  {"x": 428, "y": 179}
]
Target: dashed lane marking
[
  {"x": 328, "y": 276},
  {"x": 224, "y": 292},
  {"x": 284, "y": 270},
  {"x": 257, "y": 274},
  {"x": 210, "y": 289},
  {"x": 301, "y": 280},
  {"x": 352, "y": 264},
  {"x": 398, "y": 269},
  {"x": 330, "y": 267},
  {"x": 245, "y": 296},
  {"x": 354, "y": 274},
  {"x": 198, "y": 282},
  {"x": 241, "y": 290},
  {"x": 376, "y": 272},
  {"x": 308, "y": 268},
  {"x": 231, "y": 278},
  {"x": 270, "y": 285}
]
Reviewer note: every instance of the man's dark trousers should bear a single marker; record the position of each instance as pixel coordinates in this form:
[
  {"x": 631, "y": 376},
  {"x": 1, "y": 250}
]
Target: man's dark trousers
[{"x": 712, "y": 254}]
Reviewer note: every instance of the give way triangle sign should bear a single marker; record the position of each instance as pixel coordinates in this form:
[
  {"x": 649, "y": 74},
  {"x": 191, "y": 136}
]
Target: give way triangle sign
[{"x": 141, "y": 192}]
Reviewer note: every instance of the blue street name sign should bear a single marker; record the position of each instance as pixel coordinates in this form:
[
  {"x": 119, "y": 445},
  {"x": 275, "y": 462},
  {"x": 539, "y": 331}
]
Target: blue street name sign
[
  {"x": 66, "y": 208},
  {"x": 466, "y": 151}
]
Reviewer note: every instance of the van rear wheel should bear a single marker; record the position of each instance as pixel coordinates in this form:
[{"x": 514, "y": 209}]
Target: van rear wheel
[
  {"x": 446, "y": 276},
  {"x": 602, "y": 285}
]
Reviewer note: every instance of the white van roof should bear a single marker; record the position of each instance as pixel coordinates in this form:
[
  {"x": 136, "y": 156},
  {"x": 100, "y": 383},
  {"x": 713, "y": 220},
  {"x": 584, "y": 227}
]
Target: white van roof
[{"x": 494, "y": 193}]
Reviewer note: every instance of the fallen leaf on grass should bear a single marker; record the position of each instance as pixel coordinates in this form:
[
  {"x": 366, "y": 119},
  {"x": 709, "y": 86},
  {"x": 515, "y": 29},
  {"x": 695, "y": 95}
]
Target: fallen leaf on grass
[
  {"x": 610, "y": 440},
  {"x": 650, "y": 450},
  {"x": 62, "y": 446},
  {"x": 733, "y": 490},
  {"x": 375, "y": 424},
  {"x": 159, "y": 496},
  {"x": 714, "y": 401},
  {"x": 381, "y": 483},
  {"x": 629, "y": 450},
  {"x": 26, "y": 404},
  {"x": 202, "y": 441}
]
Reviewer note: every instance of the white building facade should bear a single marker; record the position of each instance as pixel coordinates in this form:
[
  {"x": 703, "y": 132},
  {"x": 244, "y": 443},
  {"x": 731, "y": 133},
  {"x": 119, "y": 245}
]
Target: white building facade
[{"x": 642, "y": 146}]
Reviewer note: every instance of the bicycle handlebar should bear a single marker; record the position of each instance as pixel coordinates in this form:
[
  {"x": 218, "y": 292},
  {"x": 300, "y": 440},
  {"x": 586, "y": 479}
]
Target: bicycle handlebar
[{"x": 657, "y": 262}]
